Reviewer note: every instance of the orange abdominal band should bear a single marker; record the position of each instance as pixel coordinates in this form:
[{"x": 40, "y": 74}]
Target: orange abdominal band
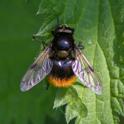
[{"x": 65, "y": 82}]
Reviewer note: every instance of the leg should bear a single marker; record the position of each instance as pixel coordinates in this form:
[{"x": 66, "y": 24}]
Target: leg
[
  {"x": 80, "y": 45},
  {"x": 44, "y": 44},
  {"x": 47, "y": 86},
  {"x": 58, "y": 21},
  {"x": 38, "y": 40}
]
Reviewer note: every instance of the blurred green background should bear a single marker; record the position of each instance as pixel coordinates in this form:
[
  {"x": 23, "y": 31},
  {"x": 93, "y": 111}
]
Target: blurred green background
[{"x": 18, "y": 21}]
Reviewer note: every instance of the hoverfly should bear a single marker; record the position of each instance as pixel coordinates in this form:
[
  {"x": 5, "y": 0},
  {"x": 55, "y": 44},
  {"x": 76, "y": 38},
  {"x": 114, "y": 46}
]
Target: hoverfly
[{"x": 62, "y": 62}]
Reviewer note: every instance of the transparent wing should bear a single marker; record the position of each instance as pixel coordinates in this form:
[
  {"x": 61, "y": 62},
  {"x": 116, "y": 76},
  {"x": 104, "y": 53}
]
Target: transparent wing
[
  {"x": 84, "y": 71},
  {"x": 37, "y": 71}
]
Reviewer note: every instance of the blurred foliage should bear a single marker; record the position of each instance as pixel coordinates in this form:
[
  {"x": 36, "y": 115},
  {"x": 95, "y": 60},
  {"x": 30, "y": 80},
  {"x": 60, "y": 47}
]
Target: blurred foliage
[
  {"x": 99, "y": 25},
  {"x": 18, "y": 22}
]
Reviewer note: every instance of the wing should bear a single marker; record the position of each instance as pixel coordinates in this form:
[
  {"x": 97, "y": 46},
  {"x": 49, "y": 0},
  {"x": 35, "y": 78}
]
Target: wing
[
  {"x": 37, "y": 71},
  {"x": 84, "y": 71}
]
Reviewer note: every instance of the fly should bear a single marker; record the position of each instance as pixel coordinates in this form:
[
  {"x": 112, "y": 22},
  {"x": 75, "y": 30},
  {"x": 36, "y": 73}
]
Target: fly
[{"x": 62, "y": 62}]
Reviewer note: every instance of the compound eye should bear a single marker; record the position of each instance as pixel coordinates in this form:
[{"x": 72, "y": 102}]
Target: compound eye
[{"x": 64, "y": 44}]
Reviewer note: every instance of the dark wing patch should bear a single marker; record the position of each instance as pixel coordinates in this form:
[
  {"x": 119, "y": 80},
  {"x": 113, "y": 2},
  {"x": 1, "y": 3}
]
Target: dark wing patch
[
  {"x": 37, "y": 71},
  {"x": 84, "y": 71}
]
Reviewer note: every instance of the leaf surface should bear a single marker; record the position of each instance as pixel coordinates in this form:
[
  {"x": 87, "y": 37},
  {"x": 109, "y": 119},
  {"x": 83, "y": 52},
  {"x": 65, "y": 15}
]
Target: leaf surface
[{"x": 99, "y": 25}]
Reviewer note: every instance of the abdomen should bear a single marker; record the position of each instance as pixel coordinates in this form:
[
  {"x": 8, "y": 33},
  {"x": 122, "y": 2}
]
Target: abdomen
[{"x": 62, "y": 74}]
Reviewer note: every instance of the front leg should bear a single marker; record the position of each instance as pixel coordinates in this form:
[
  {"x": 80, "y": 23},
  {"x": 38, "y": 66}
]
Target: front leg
[
  {"x": 80, "y": 45},
  {"x": 38, "y": 39}
]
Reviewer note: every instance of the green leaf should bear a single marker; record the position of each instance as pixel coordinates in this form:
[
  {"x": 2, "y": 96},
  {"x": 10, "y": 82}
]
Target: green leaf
[
  {"x": 75, "y": 107},
  {"x": 62, "y": 98},
  {"x": 99, "y": 25}
]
